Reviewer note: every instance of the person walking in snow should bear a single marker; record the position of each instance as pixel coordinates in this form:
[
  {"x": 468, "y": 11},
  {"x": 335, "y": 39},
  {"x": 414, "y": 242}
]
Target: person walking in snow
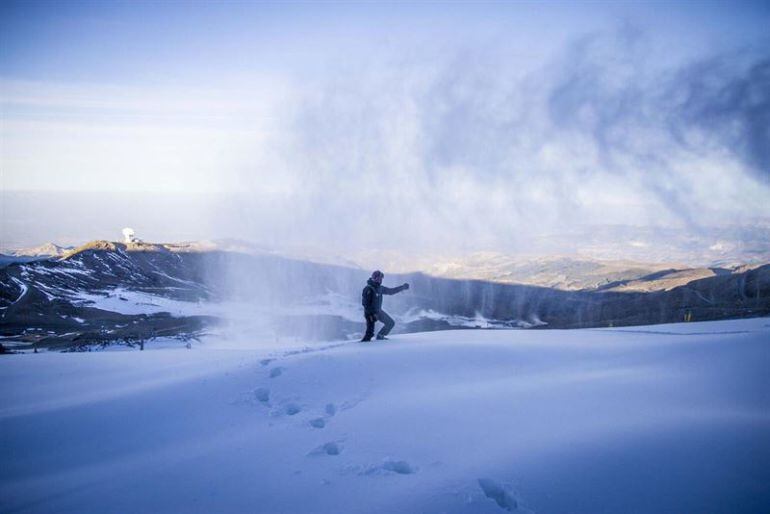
[{"x": 371, "y": 299}]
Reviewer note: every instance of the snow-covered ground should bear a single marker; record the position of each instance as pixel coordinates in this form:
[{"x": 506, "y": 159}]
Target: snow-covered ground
[
  {"x": 669, "y": 418},
  {"x": 126, "y": 301}
]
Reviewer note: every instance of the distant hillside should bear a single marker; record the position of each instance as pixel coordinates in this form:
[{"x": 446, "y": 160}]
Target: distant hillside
[
  {"x": 6, "y": 260},
  {"x": 106, "y": 291},
  {"x": 44, "y": 250},
  {"x": 577, "y": 274},
  {"x": 23, "y": 255}
]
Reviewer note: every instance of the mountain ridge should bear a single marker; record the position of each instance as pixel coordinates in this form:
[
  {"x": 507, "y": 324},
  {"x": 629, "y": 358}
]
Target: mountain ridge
[{"x": 109, "y": 291}]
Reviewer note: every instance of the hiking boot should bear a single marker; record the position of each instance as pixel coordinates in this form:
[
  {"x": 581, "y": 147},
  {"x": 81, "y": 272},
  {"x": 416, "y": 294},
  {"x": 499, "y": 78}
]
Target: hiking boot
[
  {"x": 366, "y": 339},
  {"x": 381, "y": 338}
]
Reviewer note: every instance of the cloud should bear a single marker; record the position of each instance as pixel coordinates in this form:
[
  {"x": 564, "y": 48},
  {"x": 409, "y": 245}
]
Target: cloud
[
  {"x": 447, "y": 149},
  {"x": 97, "y": 137},
  {"x": 465, "y": 149},
  {"x": 727, "y": 99},
  {"x": 609, "y": 88}
]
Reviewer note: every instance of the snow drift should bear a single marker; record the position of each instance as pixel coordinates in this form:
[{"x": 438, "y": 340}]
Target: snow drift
[{"x": 668, "y": 418}]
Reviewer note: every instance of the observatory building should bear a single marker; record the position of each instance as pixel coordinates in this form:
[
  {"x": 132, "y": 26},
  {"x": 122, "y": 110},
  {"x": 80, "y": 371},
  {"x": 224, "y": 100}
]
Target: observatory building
[{"x": 129, "y": 236}]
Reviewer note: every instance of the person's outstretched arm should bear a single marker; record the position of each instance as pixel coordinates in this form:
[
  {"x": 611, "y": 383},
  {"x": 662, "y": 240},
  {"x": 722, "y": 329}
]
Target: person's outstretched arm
[{"x": 394, "y": 290}]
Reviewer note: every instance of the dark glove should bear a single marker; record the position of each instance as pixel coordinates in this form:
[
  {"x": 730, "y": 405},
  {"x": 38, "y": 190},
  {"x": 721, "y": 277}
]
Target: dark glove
[
  {"x": 406, "y": 285},
  {"x": 370, "y": 317}
]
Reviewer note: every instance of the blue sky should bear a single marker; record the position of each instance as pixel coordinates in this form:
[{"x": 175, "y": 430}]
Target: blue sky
[
  {"x": 150, "y": 42},
  {"x": 496, "y": 119}
]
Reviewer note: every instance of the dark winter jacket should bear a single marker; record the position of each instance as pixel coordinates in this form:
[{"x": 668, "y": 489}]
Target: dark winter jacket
[{"x": 371, "y": 297}]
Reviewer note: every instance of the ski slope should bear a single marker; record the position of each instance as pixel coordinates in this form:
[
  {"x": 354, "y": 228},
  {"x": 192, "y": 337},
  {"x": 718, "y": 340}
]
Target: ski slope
[{"x": 666, "y": 418}]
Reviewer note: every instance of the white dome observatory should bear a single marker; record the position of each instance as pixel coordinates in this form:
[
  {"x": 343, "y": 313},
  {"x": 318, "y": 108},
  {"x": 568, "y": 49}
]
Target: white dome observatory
[{"x": 129, "y": 236}]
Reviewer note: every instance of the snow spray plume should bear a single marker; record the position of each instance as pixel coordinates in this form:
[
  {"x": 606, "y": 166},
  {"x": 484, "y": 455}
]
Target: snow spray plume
[
  {"x": 467, "y": 151},
  {"x": 275, "y": 300}
]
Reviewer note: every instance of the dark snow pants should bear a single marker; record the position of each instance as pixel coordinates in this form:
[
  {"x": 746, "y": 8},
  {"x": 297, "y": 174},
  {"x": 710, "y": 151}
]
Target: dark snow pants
[{"x": 381, "y": 316}]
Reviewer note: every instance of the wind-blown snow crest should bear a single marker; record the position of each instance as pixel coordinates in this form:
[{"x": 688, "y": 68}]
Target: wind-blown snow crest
[{"x": 477, "y": 321}]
